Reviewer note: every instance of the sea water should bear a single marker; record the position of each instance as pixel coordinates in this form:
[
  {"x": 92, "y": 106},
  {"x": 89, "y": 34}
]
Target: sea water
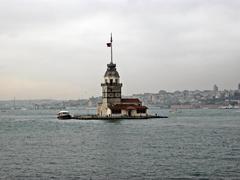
[{"x": 190, "y": 144}]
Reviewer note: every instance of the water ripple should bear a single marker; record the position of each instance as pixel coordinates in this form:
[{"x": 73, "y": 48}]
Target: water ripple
[{"x": 194, "y": 145}]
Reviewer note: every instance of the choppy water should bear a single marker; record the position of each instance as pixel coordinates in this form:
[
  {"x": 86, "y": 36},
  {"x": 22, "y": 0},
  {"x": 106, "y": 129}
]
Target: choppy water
[{"x": 194, "y": 144}]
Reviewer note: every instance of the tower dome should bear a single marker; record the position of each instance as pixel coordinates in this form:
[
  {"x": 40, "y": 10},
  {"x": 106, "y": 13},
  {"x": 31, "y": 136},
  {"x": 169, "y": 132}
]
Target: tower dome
[
  {"x": 111, "y": 75},
  {"x": 111, "y": 71}
]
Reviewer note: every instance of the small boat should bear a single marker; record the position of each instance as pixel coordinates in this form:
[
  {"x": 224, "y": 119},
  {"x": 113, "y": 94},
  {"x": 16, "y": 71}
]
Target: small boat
[{"x": 64, "y": 115}]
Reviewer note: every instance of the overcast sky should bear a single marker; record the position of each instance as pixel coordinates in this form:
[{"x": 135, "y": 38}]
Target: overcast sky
[{"x": 57, "y": 48}]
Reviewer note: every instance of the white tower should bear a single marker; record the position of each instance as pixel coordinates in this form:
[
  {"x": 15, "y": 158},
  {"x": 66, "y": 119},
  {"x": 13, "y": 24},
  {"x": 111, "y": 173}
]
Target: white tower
[{"x": 111, "y": 88}]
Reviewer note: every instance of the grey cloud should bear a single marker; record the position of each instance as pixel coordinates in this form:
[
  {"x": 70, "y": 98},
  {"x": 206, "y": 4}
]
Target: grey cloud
[{"x": 189, "y": 44}]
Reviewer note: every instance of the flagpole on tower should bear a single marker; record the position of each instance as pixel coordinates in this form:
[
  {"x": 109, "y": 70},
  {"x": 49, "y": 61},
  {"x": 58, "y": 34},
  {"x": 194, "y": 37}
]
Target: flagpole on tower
[
  {"x": 110, "y": 45},
  {"x": 111, "y": 49}
]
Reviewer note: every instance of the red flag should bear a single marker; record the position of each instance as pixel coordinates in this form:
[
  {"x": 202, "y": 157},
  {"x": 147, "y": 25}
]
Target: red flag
[{"x": 109, "y": 44}]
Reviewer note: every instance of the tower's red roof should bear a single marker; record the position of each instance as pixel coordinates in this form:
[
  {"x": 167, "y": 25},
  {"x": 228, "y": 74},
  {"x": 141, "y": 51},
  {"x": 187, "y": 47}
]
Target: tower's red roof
[{"x": 130, "y": 100}]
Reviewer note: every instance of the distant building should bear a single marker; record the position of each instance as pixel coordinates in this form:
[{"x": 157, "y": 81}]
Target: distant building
[
  {"x": 112, "y": 103},
  {"x": 215, "y": 88},
  {"x": 239, "y": 86}
]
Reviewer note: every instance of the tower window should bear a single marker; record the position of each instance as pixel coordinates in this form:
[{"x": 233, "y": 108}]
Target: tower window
[
  {"x": 116, "y": 80},
  {"x": 111, "y": 81}
]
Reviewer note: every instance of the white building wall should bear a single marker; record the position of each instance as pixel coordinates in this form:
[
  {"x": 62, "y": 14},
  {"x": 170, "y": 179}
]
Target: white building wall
[
  {"x": 109, "y": 112},
  {"x": 139, "y": 114},
  {"x": 102, "y": 110},
  {"x": 133, "y": 113},
  {"x": 124, "y": 112}
]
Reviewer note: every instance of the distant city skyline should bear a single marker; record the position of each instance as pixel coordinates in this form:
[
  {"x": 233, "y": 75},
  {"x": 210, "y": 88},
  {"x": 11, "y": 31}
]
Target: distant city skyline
[{"x": 57, "y": 49}]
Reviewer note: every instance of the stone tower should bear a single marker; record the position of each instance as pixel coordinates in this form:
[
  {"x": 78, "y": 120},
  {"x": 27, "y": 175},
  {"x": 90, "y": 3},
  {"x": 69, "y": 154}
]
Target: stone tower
[
  {"x": 113, "y": 105},
  {"x": 111, "y": 88},
  {"x": 215, "y": 88}
]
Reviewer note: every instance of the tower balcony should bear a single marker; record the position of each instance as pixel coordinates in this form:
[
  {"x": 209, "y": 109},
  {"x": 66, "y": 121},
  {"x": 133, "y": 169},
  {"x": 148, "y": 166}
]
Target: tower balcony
[{"x": 111, "y": 84}]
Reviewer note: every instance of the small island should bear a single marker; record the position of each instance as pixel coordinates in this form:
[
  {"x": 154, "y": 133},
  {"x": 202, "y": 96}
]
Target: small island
[{"x": 113, "y": 106}]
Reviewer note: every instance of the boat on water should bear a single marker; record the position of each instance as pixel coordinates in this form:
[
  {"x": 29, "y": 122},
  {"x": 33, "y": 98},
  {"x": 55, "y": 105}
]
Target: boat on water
[{"x": 64, "y": 115}]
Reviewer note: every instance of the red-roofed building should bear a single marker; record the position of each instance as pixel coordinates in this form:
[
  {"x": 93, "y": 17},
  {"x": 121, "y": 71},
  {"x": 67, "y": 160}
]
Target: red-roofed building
[{"x": 128, "y": 110}]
